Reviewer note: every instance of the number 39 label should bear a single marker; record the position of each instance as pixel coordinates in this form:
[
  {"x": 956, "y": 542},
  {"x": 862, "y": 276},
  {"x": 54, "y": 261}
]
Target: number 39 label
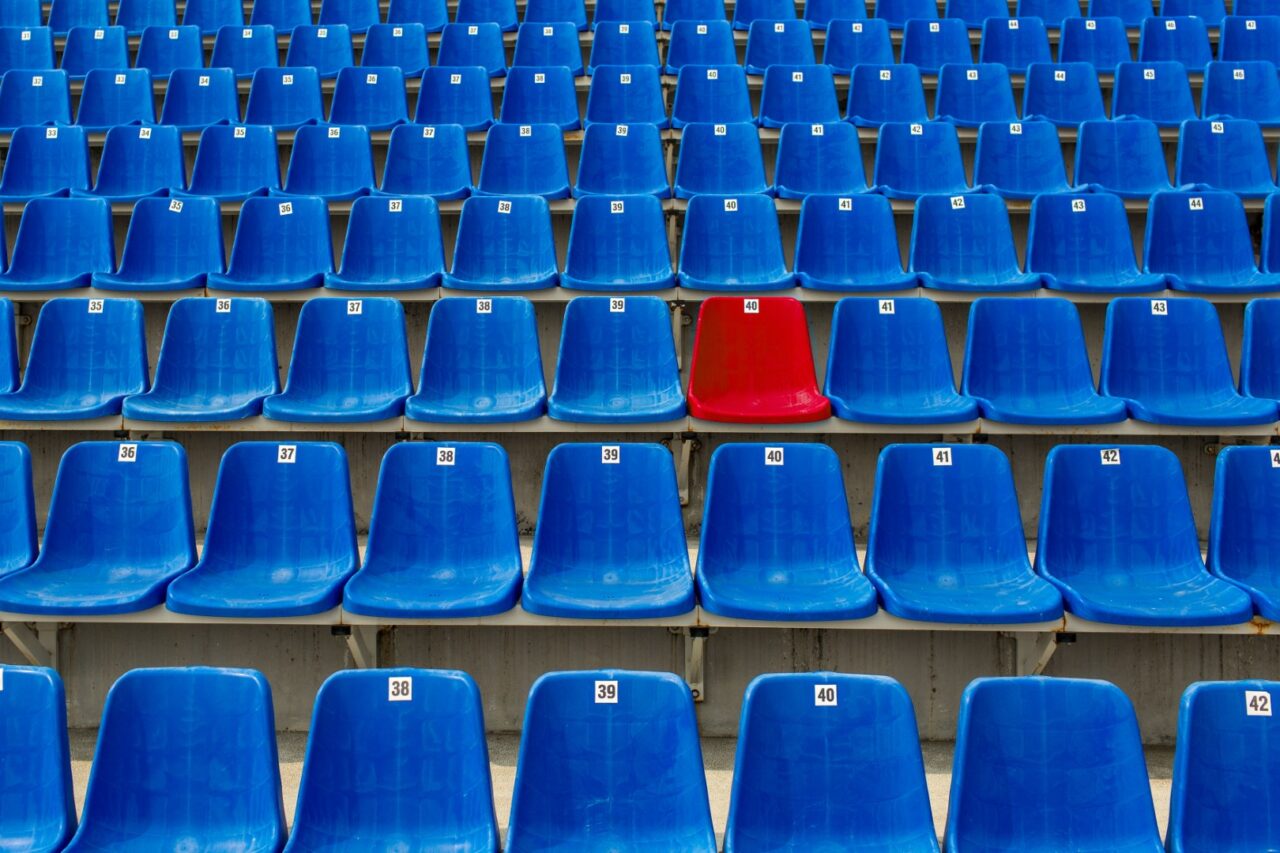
[
  {"x": 610, "y": 454},
  {"x": 606, "y": 693},
  {"x": 1257, "y": 703},
  {"x": 824, "y": 695},
  {"x": 400, "y": 689}
]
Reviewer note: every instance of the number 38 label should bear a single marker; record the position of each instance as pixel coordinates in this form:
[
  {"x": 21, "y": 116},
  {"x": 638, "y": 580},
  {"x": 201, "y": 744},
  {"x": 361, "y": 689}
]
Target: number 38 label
[
  {"x": 399, "y": 689},
  {"x": 824, "y": 695},
  {"x": 606, "y": 693},
  {"x": 1257, "y": 703}
]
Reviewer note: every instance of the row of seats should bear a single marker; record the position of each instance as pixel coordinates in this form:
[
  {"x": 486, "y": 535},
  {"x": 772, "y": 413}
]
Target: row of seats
[{"x": 824, "y": 760}]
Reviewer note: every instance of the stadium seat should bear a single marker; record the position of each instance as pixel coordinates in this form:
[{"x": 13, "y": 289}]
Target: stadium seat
[
  {"x": 1121, "y": 157},
  {"x": 622, "y": 43},
  {"x": 1270, "y": 237},
  {"x": 898, "y": 12},
  {"x": 432, "y": 14},
  {"x": 217, "y": 363},
  {"x": 1081, "y": 243},
  {"x": 544, "y": 46},
  {"x": 776, "y": 544},
  {"x": 1017, "y": 738},
  {"x": 849, "y": 243},
  {"x": 778, "y": 43},
  {"x": 647, "y": 719},
  {"x": 504, "y": 244},
  {"x": 172, "y": 244},
  {"x": 1131, "y": 12},
  {"x": 61, "y": 242},
  {"x": 1014, "y": 43},
  {"x": 112, "y": 98},
  {"x": 617, "y": 364},
  {"x": 1117, "y": 538},
  {"x": 473, "y": 44},
  {"x": 88, "y": 48},
  {"x": 933, "y": 559},
  {"x": 40, "y": 811},
  {"x": 883, "y": 93},
  {"x": 970, "y": 95},
  {"x": 246, "y": 49},
  {"x": 357, "y": 15},
  {"x": 199, "y": 97},
  {"x": 458, "y": 96},
  {"x": 610, "y": 540},
  {"x": 17, "y": 549},
  {"x": 392, "y": 244},
  {"x": 728, "y": 382},
  {"x": 34, "y": 97},
  {"x": 281, "y": 540},
  {"x": 1156, "y": 91},
  {"x": 524, "y": 159},
  {"x": 1025, "y": 362},
  {"x": 918, "y": 158},
  {"x": 1241, "y": 547},
  {"x": 622, "y": 160},
  {"x": 481, "y": 363},
  {"x": 1101, "y": 42},
  {"x": 716, "y": 94},
  {"x": 9, "y": 364},
  {"x": 431, "y": 161},
  {"x": 350, "y": 363},
  {"x": 624, "y": 11},
  {"x": 853, "y": 43},
  {"x": 1168, "y": 360},
  {"x": 1224, "y": 154},
  {"x": 929, "y": 44},
  {"x": 1177, "y": 39},
  {"x": 853, "y": 741},
  {"x": 1053, "y": 12},
  {"x": 721, "y": 159},
  {"x": 820, "y": 158},
  {"x": 234, "y": 163},
  {"x": 975, "y": 13},
  {"x": 373, "y": 97},
  {"x": 284, "y": 98},
  {"x": 556, "y": 11},
  {"x": 212, "y": 15},
  {"x": 732, "y": 244},
  {"x": 1250, "y": 38},
  {"x": 966, "y": 243},
  {"x": 171, "y": 742},
  {"x": 820, "y": 13},
  {"x": 1253, "y": 7},
  {"x": 327, "y": 49},
  {"x": 330, "y": 161},
  {"x": 692, "y": 10},
  {"x": 43, "y": 162},
  {"x": 1201, "y": 241},
  {"x": 26, "y": 48},
  {"x": 888, "y": 363},
  {"x": 442, "y": 540},
  {"x": 287, "y": 16},
  {"x": 700, "y": 42},
  {"x": 540, "y": 96},
  {"x": 798, "y": 93},
  {"x": 21, "y": 13},
  {"x": 66, "y": 14},
  {"x": 1212, "y": 11},
  {"x": 746, "y": 12},
  {"x": 280, "y": 245},
  {"x": 162, "y": 50},
  {"x": 1019, "y": 160},
  {"x": 501, "y": 12},
  {"x": 627, "y": 94},
  {"x": 1242, "y": 90},
  {"x": 136, "y": 15},
  {"x": 618, "y": 244},
  {"x": 400, "y": 45},
  {"x": 1065, "y": 94}
]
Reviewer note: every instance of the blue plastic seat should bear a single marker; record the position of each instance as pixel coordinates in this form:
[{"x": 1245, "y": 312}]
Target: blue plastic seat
[
  {"x": 373, "y": 97},
  {"x": 1177, "y": 39},
  {"x": 112, "y": 98},
  {"x": 431, "y": 161},
  {"x": 392, "y": 244},
  {"x": 853, "y": 43},
  {"x": 622, "y": 160},
  {"x": 246, "y": 49},
  {"x": 898, "y": 12},
  {"x": 1224, "y": 154},
  {"x": 1081, "y": 243},
  {"x": 1118, "y": 539},
  {"x": 627, "y": 94},
  {"x": 61, "y": 242},
  {"x": 854, "y": 742},
  {"x": 284, "y": 98},
  {"x": 929, "y": 45},
  {"x": 21, "y": 13},
  {"x": 1250, "y": 38},
  {"x": 540, "y": 96},
  {"x": 34, "y": 97},
  {"x": 1242, "y": 90},
  {"x": 1270, "y": 237},
  {"x": 172, "y": 244},
  {"x": 1253, "y": 7},
  {"x": 747, "y": 12},
  {"x": 1156, "y": 91},
  {"x": 1053, "y": 12},
  {"x": 798, "y": 93},
  {"x": 700, "y": 42},
  {"x": 212, "y": 15},
  {"x": 1212, "y": 11},
  {"x": 623, "y": 43},
  {"x": 1066, "y": 94},
  {"x": 888, "y": 363},
  {"x": 1014, "y": 43},
  {"x": 1201, "y": 241},
  {"x": 1260, "y": 357},
  {"x": 357, "y": 15},
  {"x": 1101, "y": 42},
  {"x": 546, "y": 45},
  {"x": 883, "y": 93},
  {"x": 1242, "y": 548},
  {"x": 969, "y": 95},
  {"x": 501, "y": 12},
  {"x": 473, "y": 44},
  {"x": 1019, "y": 160},
  {"x": 199, "y": 97},
  {"x": 481, "y": 363},
  {"x": 28, "y": 48},
  {"x": 66, "y": 14},
  {"x": 976, "y": 13},
  {"x": 88, "y": 48},
  {"x": 555, "y": 11},
  {"x": 401, "y": 45},
  {"x": 330, "y": 161},
  {"x": 217, "y": 363},
  {"x": 45, "y": 161},
  {"x": 917, "y": 158},
  {"x": 610, "y": 540},
  {"x": 778, "y": 43},
  {"x": 40, "y": 809},
  {"x": 164, "y": 49},
  {"x": 616, "y": 11},
  {"x": 1132, "y": 12},
  {"x": 458, "y": 96},
  {"x": 8, "y": 348},
  {"x": 776, "y": 544},
  {"x": 721, "y": 159},
  {"x": 281, "y": 539},
  {"x": 935, "y": 560},
  {"x": 716, "y": 94},
  {"x": 504, "y": 244},
  {"x": 1025, "y": 362},
  {"x": 350, "y": 363},
  {"x": 17, "y": 551},
  {"x": 234, "y": 163},
  {"x": 1017, "y": 738},
  {"x": 524, "y": 159},
  {"x": 820, "y": 158},
  {"x": 732, "y": 244},
  {"x": 966, "y": 243},
  {"x": 692, "y": 10},
  {"x": 136, "y": 15},
  {"x": 617, "y": 364},
  {"x": 280, "y": 244},
  {"x": 618, "y": 243},
  {"x": 850, "y": 244},
  {"x": 1121, "y": 157},
  {"x": 327, "y": 49},
  {"x": 287, "y": 16},
  {"x": 1168, "y": 360},
  {"x": 442, "y": 540},
  {"x": 432, "y": 14},
  {"x": 563, "y": 776}
]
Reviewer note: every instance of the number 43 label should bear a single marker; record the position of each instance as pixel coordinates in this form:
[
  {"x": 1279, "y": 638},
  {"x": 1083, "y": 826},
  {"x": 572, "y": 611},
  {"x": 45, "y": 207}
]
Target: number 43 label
[
  {"x": 606, "y": 693},
  {"x": 1257, "y": 703}
]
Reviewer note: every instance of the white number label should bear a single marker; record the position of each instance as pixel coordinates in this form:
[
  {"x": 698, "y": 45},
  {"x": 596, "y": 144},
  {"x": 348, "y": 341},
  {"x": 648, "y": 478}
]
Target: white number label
[
  {"x": 824, "y": 695},
  {"x": 484, "y": 306},
  {"x": 941, "y": 456},
  {"x": 817, "y": 130},
  {"x": 175, "y": 206},
  {"x": 287, "y": 454},
  {"x": 957, "y": 202},
  {"x": 606, "y": 693},
  {"x": 917, "y": 130},
  {"x": 504, "y": 206},
  {"x": 845, "y": 204},
  {"x": 428, "y": 133},
  {"x": 751, "y": 306},
  {"x": 971, "y": 74},
  {"x": 773, "y": 456},
  {"x": 1257, "y": 703},
  {"x": 1110, "y": 455},
  {"x": 286, "y": 80},
  {"x": 617, "y": 206},
  {"x": 239, "y": 133},
  {"x": 1159, "y": 307},
  {"x": 286, "y": 208},
  {"x": 797, "y": 76},
  {"x": 222, "y": 306},
  {"x": 127, "y": 453},
  {"x": 1077, "y": 205},
  {"x": 621, "y": 130},
  {"x": 371, "y": 79},
  {"x": 1250, "y": 25},
  {"x": 730, "y": 205},
  {"x": 395, "y": 205},
  {"x": 455, "y": 79},
  {"x": 526, "y": 130},
  {"x": 887, "y": 306},
  {"x": 446, "y": 455},
  {"x": 720, "y": 130},
  {"x": 617, "y": 305},
  {"x": 144, "y": 133},
  {"x": 610, "y": 454},
  {"x": 96, "y": 306},
  {"x": 335, "y": 133},
  {"x": 886, "y": 74},
  {"x": 539, "y": 78},
  {"x": 1217, "y": 127},
  {"x": 355, "y": 307},
  {"x": 1195, "y": 203},
  {"x": 546, "y": 31},
  {"x": 1015, "y": 129},
  {"x": 623, "y": 29},
  {"x": 50, "y": 133},
  {"x": 1059, "y": 76},
  {"x": 203, "y": 81},
  {"x": 624, "y": 79},
  {"x": 400, "y": 689},
  {"x": 1237, "y": 74},
  {"x": 779, "y": 27},
  {"x": 1275, "y": 459},
  {"x": 935, "y": 27}
]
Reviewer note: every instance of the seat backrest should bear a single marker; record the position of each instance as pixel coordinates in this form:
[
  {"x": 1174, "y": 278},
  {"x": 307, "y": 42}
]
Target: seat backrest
[
  {"x": 1175, "y": 349},
  {"x": 749, "y": 11},
  {"x": 482, "y": 351},
  {"x": 46, "y": 160},
  {"x": 63, "y": 238},
  {"x": 18, "y": 549},
  {"x": 1132, "y": 12},
  {"x": 930, "y": 44},
  {"x": 112, "y": 97},
  {"x": 164, "y": 49},
  {"x": 173, "y": 240},
  {"x": 914, "y": 158},
  {"x": 778, "y": 43},
  {"x": 26, "y": 47},
  {"x": 199, "y": 97},
  {"x": 617, "y": 349},
  {"x": 350, "y": 349},
  {"x": 34, "y": 97},
  {"x": 277, "y": 238},
  {"x": 284, "y": 15},
  {"x": 963, "y": 238},
  {"x": 211, "y": 352},
  {"x": 1158, "y": 91},
  {"x": 975, "y": 13},
  {"x": 720, "y": 159},
  {"x": 39, "y": 806},
  {"x": 857, "y": 42},
  {"x": 403, "y": 45},
  {"x": 284, "y": 97},
  {"x": 547, "y": 45},
  {"x": 622, "y": 159},
  {"x": 1241, "y": 90},
  {"x": 472, "y": 44},
  {"x": 504, "y": 239},
  {"x": 711, "y": 94},
  {"x": 432, "y": 14},
  {"x": 820, "y": 158},
  {"x": 235, "y": 161},
  {"x": 457, "y": 95},
  {"x": 1227, "y": 154},
  {"x": 798, "y": 93},
  {"x": 327, "y": 49},
  {"x": 1080, "y": 237},
  {"x": 972, "y": 94},
  {"x": 731, "y": 240},
  {"x": 358, "y": 15},
  {"x": 374, "y": 97},
  {"x": 431, "y": 160},
  {"x": 1064, "y": 93},
  {"x": 1252, "y": 37},
  {"x": 1198, "y": 236},
  {"x": 1019, "y": 158},
  {"x": 692, "y": 10},
  {"x": 1101, "y": 42},
  {"x": 700, "y": 42},
  {"x": 617, "y": 245},
  {"x": 524, "y": 159},
  {"x": 65, "y": 14},
  {"x": 898, "y": 12},
  {"x": 330, "y": 160},
  {"x": 1014, "y": 42},
  {"x": 137, "y": 15},
  {"x": 393, "y": 239},
  {"x": 22, "y": 13},
  {"x": 212, "y": 15},
  {"x": 1212, "y": 11},
  {"x": 1052, "y": 12},
  {"x": 841, "y": 237},
  {"x": 246, "y": 49},
  {"x": 612, "y": 11},
  {"x": 623, "y": 43},
  {"x": 1124, "y": 157},
  {"x": 500, "y": 12},
  {"x": 627, "y": 94},
  {"x": 540, "y": 95},
  {"x": 88, "y": 48},
  {"x": 885, "y": 93},
  {"x": 1177, "y": 38}
]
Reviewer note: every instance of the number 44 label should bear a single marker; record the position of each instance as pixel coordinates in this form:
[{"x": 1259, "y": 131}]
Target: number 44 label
[
  {"x": 606, "y": 693},
  {"x": 1257, "y": 703}
]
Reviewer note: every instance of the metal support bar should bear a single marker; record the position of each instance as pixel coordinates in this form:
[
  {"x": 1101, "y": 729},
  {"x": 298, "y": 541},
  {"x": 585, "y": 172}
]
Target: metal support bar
[
  {"x": 38, "y": 643},
  {"x": 362, "y": 644},
  {"x": 1032, "y": 651},
  {"x": 683, "y": 449},
  {"x": 695, "y": 642}
]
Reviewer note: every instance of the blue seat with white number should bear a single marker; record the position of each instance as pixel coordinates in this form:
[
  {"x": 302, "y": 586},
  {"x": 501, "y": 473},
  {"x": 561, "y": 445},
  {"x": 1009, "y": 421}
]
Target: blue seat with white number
[
  {"x": 966, "y": 243},
  {"x": 969, "y": 95},
  {"x": 1242, "y": 90},
  {"x": 716, "y": 94},
  {"x": 1065, "y": 93},
  {"x": 110, "y": 98},
  {"x": 623, "y": 159},
  {"x": 1019, "y": 160},
  {"x": 1081, "y": 242},
  {"x": 285, "y": 15},
  {"x": 931, "y": 44},
  {"x": 45, "y": 162},
  {"x": 284, "y": 98},
  {"x": 65, "y": 14},
  {"x": 623, "y": 43},
  {"x": 1156, "y": 91},
  {"x": 504, "y": 244},
  {"x": 548, "y": 45},
  {"x": 473, "y": 45},
  {"x": 1101, "y": 42},
  {"x": 392, "y": 244},
  {"x": 1182, "y": 39},
  {"x": 618, "y": 243},
  {"x": 698, "y": 43},
  {"x": 1200, "y": 240},
  {"x": 458, "y": 95},
  {"x": 849, "y": 243},
  {"x": 234, "y": 163},
  {"x": 327, "y": 49},
  {"x": 851, "y": 43},
  {"x": 172, "y": 244},
  {"x": 537, "y": 95},
  {"x": 163, "y": 50},
  {"x": 373, "y": 97},
  {"x": 720, "y": 159},
  {"x": 403, "y": 45},
  {"x": 818, "y": 158},
  {"x": 1224, "y": 154},
  {"x": 1242, "y": 546},
  {"x": 732, "y": 244},
  {"x": 34, "y": 97},
  {"x": 61, "y": 243},
  {"x": 280, "y": 244},
  {"x": 772, "y": 42},
  {"x": 917, "y": 158},
  {"x": 246, "y": 49},
  {"x": 199, "y": 97},
  {"x": 29, "y": 48},
  {"x": 524, "y": 160},
  {"x": 138, "y": 163},
  {"x": 88, "y": 48},
  {"x": 1121, "y": 157},
  {"x": 39, "y": 818},
  {"x": 330, "y": 161},
  {"x": 1015, "y": 43},
  {"x": 626, "y": 94},
  {"x": 427, "y": 160},
  {"x": 880, "y": 93}
]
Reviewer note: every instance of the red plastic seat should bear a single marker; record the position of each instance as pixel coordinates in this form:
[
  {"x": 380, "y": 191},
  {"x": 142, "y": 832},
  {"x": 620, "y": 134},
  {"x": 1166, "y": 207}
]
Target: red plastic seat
[{"x": 752, "y": 363}]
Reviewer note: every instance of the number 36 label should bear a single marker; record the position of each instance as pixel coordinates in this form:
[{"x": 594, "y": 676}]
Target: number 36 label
[{"x": 606, "y": 693}]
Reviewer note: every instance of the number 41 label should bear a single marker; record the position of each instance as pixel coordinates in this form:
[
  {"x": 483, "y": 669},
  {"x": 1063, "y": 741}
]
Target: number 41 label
[
  {"x": 942, "y": 456},
  {"x": 1257, "y": 703},
  {"x": 606, "y": 693}
]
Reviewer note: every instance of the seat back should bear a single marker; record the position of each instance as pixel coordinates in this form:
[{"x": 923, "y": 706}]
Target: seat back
[
  {"x": 798, "y": 93},
  {"x": 285, "y": 15},
  {"x": 246, "y": 49},
  {"x": 971, "y": 95},
  {"x": 1158, "y": 91},
  {"x": 504, "y": 240},
  {"x": 885, "y": 93},
  {"x": 524, "y": 159},
  {"x": 374, "y": 97},
  {"x": 1065, "y": 93},
  {"x": 172, "y": 240},
  {"x": 820, "y": 158},
  {"x": 358, "y": 15},
  {"x": 1182, "y": 39},
  {"x": 618, "y": 244},
  {"x": 164, "y": 49},
  {"x": 1227, "y": 154},
  {"x": 63, "y": 239},
  {"x": 1131, "y": 12},
  {"x": 1053, "y": 12},
  {"x": 700, "y": 42},
  {"x": 22, "y": 13},
  {"x": 732, "y": 241},
  {"x": 457, "y": 95},
  {"x": 548, "y": 45},
  {"x": 1101, "y": 42},
  {"x": 1019, "y": 159},
  {"x": 975, "y": 13},
  {"x": 1014, "y": 43},
  {"x": 847, "y": 240},
  {"x": 1198, "y": 236},
  {"x": 281, "y": 239},
  {"x": 543, "y": 95},
  {"x": 898, "y": 12},
  {"x": 1171, "y": 350},
  {"x": 34, "y": 97},
  {"x": 26, "y": 47},
  {"x": 857, "y": 42},
  {"x": 1250, "y": 37},
  {"x": 136, "y": 15},
  {"x": 327, "y": 49},
  {"x": 432, "y": 14},
  {"x": 622, "y": 159},
  {"x": 235, "y": 161},
  {"x": 350, "y": 349},
  {"x": 623, "y": 43},
  {"x": 393, "y": 239},
  {"x": 112, "y": 97},
  {"x": 213, "y": 354},
  {"x": 284, "y": 98},
  {"x": 65, "y": 14},
  {"x": 616, "y": 353},
  {"x": 501, "y": 12},
  {"x": 628, "y": 94},
  {"x": 1123, "y": 157},
  {"x": 199, "y": 97},
  {"x": 432, "y": 161},
  {"x": 711, "y": 94},
  {"x": 39, "y": 806},
  {"x": 212, "y": 15},
  {"x": 1242, "y": 90},
  {"x": 401, "y": 45},
  {"x": 1080, "y": 238},
  {"x": 931, "y": 44},
  {"x": 473, "y": 44},
  {"x": 721, "y": 159},
  {"x": 963, "y": 239},
  {"x": 45, "y": 161},
  {"x": 88, "y": 48},
  {"x": 330, "y": 161},
  {"x": 778, "y": 43},
  {"x": 918, "y": 158}
]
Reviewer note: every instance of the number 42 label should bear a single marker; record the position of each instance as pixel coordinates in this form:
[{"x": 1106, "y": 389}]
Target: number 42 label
[{"x": 1257, "y": 703}]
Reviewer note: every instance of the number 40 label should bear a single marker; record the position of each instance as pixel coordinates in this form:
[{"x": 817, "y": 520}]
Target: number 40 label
[
  {"x": 1257, "y": 703},
  {"x": 606, "y": 693},
  {"x": 824, "y": 695}
]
